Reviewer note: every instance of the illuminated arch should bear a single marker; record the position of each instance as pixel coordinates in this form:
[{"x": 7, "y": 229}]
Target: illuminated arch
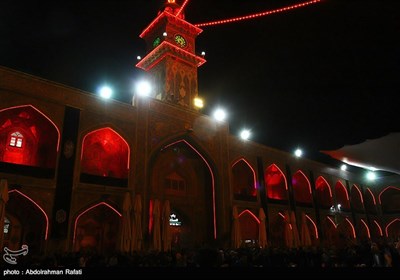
[
  {"x": 39, "y": 137},
  {"x": 105, "y": 153},
  {"x": 89, "y": 209},
  {"x": 356, "y": 198},
  {"x": 211, "y": 174},
  {"x": 275, "y": 183},
  {"x": 37, "y": 206},
  {"x": 393, "y": 222},
  {"x": 301, "y": 187},
  {"x": 323, "y": 192},
  {"x": 342, "y": 197},
  {"x": 388, "y": 199},
  {"x": 351, "y": 226},
  {"x": 249, "y": 224},
  {"x": 244, "y": 179}
]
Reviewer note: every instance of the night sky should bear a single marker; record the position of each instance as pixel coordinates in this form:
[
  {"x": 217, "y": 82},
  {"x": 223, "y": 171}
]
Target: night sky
[{"x": 318, "y": 77}]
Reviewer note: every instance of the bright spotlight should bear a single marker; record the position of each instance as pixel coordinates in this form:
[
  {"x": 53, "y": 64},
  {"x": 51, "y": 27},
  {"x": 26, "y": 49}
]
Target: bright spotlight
[
  {"x": 219, "y": 115},
  {"x": 245, "y": 134},
  {"x": 203, "y": 53},
  {"x": 298, "y": 153},
  {"x": 371, "y": 176},
  {"x": 198, "y": 103},
  {"x": 105, "y": 92},
  {"x": 143, "y": 88},
  {"x": 343, "y": 167},
  {"x": 138, "y": 57}
]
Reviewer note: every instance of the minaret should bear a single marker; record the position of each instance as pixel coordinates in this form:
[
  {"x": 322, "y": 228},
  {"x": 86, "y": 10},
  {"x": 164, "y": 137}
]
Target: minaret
[{"x": 171, "y": 59}]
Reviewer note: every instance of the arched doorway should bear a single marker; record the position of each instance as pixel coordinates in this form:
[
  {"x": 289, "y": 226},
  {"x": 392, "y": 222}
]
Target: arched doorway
[
  {"x": 181, "y": 174},
  {"x": 96, "y": 229},
  {"x": 249, "y": 227},
  {"x": 389, "y": 199},
  {"x": 29, "y": 223},
  {"x": 275, "y": 183},
  {"x": 323, "y": 193},
  {"x": 301, "y": 188},
  {"x": 243, "y": 181}
]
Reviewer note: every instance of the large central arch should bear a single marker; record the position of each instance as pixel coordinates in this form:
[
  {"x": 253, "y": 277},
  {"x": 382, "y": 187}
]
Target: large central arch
[{"x": 182, "y": 174}]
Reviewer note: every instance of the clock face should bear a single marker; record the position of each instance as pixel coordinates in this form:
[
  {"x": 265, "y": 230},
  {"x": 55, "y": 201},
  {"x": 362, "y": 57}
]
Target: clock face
[
  {"x": 180, "y": 41},
  {"x": 156, "y": 42}
]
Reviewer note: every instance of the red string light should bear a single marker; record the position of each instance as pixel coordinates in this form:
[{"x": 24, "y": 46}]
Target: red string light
[
  {"x": 181, "y": 9},
  {"x": 257, "y": 14}
]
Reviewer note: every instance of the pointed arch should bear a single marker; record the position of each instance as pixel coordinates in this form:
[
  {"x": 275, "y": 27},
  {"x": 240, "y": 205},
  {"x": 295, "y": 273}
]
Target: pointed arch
[
  {"x": 389, "y": 199},
  {"x": 369, "y": 201},
  {"x": 323, "y": 192},
  {"x": 275, "y": 183},
  {"x": 342, "y": 197},
  {"x": 353, "y": 231},
  {"x": 91, "y": 232},
  {"x": 395, "y": 224},
  {"x": 244, "y": 179},
  {"x": 105, "y": 153},
  {"x": 366, "y": 228},
  {"x": 380, "y": 232},
  {"x": 28, "y": 137},
  {"x": 357, "y": 199},
  {"x": 314, "y": 225},
  {"x": 301, "y": 188},
  {"x": 249, "y": 224},
  {"x": 186, "y": 140}
]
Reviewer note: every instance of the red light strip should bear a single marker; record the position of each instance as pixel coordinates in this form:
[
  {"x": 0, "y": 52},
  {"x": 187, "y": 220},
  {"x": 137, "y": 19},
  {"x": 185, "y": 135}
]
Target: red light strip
[
  {"x": 248, "y": 211},
  {"x": 379, "y": 227},
  {"x": 373, "y": 197},
  {"x": 87, "y": 210},
  {"x": 315, "y": 226},
  {"x": 283, "y": 216},
  {"x": 256, "y": 15},
  {"x": 387, "y": 227},
  {"x": 333, "y": 223},
  {"x": 329, "y": 187},
  {"x": 352, "y": 227},
  {"x": 308, "y": 181},
  {"x": 212, "y": 179},
  {"x": 201, "y": 60},
  {"x": 347, "y": 195},
  {"x": 252, "y": 169},
  {"x": 390, "y": 187},
  {"x": 368, "y": 232},
  {"x": 183, "y": 6},
  {"x": 40, "y": 112},
  {"x": 359, "y": 192},
  {"x": 38, "y": 206}
]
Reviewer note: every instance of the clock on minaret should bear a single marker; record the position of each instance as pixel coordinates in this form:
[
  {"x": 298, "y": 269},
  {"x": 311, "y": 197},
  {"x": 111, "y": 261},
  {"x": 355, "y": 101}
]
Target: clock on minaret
[{"x": 171, "y": 59}]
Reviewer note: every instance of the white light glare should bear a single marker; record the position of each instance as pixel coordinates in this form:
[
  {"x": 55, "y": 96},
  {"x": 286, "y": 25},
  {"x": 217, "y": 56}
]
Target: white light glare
[
  {"x": 343, "y": 167},
  {"x": 143, "y": 88},
  {"x": 105, "y": 92},
  {"x": 203, "y": 53},
  {"x": 138, "y": 57},
  {"x": 165, "y": 34},
  {"x": 371, "y": 175},
  {"x": 198, "y": 103},
  {"x": 245, "y": 134},
  {"x": 219, "y": 114},
  {"x": 298, "y": 153}
]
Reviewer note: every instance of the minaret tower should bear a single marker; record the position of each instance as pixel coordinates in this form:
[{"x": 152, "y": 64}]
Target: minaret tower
[{"x": 171, "y": 59}]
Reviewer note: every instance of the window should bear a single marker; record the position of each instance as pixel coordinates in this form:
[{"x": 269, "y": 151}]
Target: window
[
  {"x": 16, "y": 140},
  {"x": 175, "y": 183}
]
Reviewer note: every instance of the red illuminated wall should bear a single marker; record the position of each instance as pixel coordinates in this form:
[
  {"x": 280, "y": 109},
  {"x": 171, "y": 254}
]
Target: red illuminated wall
[
  {"x": 301, "y": 188},
  {"x": 323, "y": 193},
  {"x": 243, "y": 180},
  {"x": 38, "y": 137},
  {"x": 275, "y": 183},
  {"x": 105, "y": 153}
]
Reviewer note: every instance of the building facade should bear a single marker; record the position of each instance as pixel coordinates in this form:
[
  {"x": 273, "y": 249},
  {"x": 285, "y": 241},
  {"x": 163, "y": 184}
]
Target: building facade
[{"x": 80, "y": 172}]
